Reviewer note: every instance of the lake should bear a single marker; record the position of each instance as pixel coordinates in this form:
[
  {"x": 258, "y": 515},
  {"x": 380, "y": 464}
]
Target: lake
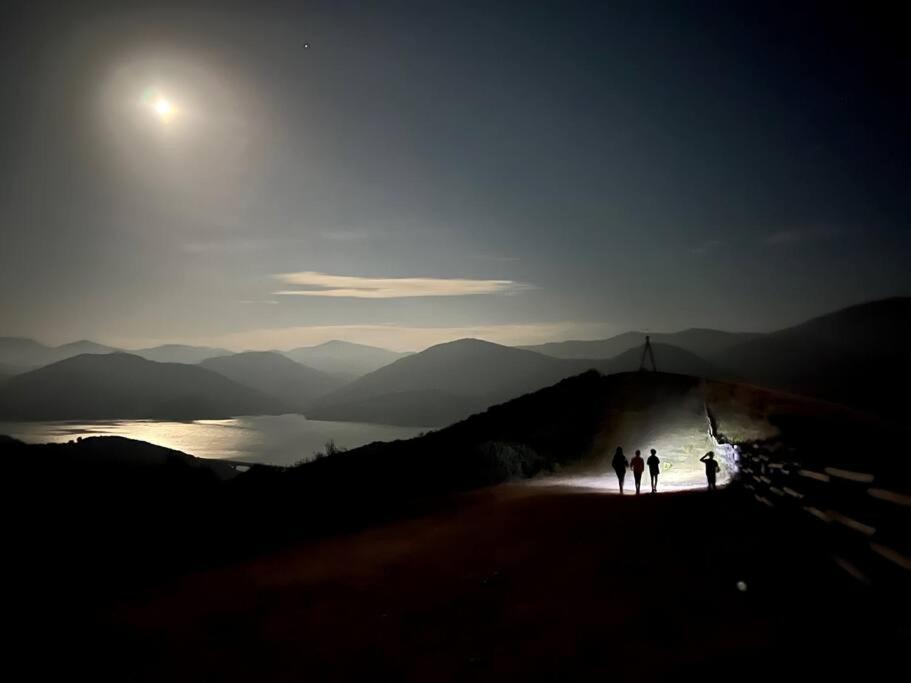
[{"x": 271, "y": 439}]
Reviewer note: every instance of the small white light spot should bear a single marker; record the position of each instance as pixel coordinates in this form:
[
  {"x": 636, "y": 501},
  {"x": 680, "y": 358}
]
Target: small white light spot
[{"x": 742, "y": 586}]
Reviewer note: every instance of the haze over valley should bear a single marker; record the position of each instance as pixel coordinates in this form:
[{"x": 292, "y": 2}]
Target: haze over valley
[{"x": 837, "y": 357}]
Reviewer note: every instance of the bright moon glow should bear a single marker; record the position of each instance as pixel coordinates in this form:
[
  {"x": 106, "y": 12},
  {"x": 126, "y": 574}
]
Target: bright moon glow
[
  {"x": 159, "y": 105},
  {"x": 164, "y": 109}
]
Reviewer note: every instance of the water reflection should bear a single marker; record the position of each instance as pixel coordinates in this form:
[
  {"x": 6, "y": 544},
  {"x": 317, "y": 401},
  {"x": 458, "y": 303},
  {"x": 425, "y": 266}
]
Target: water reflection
[{"x": 273, "y": 439}]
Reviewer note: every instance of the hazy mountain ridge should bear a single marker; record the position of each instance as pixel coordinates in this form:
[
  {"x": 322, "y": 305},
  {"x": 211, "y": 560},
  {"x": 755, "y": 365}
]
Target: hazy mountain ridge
[
  {"x": 859, "y": 356},
  {"x": 698, "y": 341},
  {"x": 124, "y": 386},
  {"x": 342, "y": 358},
  {"x": 273, "y": 374},
  {"x": 466, "y": 376},
  {"x": 180, "y": 353},
  {"x": 20, "y": 354}
]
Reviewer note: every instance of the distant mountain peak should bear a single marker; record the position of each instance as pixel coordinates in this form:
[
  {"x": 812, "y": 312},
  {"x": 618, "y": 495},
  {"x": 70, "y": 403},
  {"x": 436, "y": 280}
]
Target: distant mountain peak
[{"x": 341, "y": 344}]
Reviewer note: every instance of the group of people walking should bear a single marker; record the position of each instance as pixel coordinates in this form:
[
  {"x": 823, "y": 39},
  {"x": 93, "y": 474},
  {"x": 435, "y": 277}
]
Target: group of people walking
[{"x": 637, "y": 465}]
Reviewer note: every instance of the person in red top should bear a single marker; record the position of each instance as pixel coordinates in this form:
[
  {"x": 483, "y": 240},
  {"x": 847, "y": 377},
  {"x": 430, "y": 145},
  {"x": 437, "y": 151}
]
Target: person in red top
[{"x": 638, "y": 465}]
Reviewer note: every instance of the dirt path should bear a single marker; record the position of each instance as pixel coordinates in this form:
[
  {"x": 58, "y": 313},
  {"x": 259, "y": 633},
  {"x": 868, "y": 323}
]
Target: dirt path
[{"x": 513, "y": 581}]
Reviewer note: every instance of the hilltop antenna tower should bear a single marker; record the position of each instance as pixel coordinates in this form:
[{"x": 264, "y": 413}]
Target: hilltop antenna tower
[{"x": 647, "y": 351}]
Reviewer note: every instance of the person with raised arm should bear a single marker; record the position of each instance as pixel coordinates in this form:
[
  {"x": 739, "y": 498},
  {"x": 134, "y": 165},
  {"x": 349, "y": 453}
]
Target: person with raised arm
[{"x": 711, "y": 468}]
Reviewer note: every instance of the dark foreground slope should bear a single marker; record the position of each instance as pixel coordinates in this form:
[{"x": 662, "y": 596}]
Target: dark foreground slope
[
  {"x": 515, "y": 583},
  {"x": 377, "y": 563}
]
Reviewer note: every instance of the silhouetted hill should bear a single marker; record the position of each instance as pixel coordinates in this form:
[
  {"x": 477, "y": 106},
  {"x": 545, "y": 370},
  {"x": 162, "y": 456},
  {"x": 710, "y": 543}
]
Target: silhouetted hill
[
  {"x": 180, "y": 353},
  {"x": 448, "y": 382},
  {"x": 25, "y": 354},
  {"x": 554, "y": 426},
  {"x": 129, "y": 521},
  {"x": 459, "y": 376},
  {"x": 273, "y": 374},
  {"x": 859, "y": 356},
  {"x": 109, "y": 453},
  {"x": 344, "y": 358},
  {"x": 123, "y": 511},
  {"x": 121, "y": 385},
  {"x": 701, "y": 342}
]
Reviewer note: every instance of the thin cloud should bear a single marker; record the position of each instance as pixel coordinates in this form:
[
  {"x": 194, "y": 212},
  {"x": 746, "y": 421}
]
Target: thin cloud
[
  {"x": 312, "y": 283},
  {"x": 784, "y": 237}
]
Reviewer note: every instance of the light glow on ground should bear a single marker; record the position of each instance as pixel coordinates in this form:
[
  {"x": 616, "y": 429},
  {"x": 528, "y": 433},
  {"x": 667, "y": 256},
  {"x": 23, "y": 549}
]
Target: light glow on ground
[{"x": 680, "y": 437}]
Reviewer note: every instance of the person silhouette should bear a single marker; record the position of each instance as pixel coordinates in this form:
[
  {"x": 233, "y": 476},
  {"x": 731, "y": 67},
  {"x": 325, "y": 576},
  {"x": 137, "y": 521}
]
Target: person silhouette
[
  {"x": 711, "y": 468},
  {"x": 638, "y": 465},
  {"x": 653, "y": 463},
  {"x": 619, "y": 464}
]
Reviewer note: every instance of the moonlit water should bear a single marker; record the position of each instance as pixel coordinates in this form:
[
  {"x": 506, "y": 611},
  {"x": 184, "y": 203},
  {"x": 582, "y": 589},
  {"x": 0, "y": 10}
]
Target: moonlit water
[{"x": 274, "y": 440}]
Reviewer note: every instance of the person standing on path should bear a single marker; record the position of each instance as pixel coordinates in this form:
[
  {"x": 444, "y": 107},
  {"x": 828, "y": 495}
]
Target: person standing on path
[
  {"x": 638, "y": 465},
  {"x": 619, "y": 463},
  {"x": 653, "y": 464},
  {"x": 711, "y": 468}
]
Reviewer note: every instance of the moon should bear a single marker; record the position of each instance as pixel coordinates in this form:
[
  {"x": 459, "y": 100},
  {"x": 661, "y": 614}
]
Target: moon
[
  {"x": 157, "y": 103},
  {"x": 163, "y": 109}
]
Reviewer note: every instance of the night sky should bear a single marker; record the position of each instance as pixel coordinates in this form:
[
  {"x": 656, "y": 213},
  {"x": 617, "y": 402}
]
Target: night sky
[{"x": 265, "y": 175}]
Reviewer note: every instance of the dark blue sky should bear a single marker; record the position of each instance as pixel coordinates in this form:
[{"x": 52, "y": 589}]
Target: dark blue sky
[{"x": 538, "y": 170}]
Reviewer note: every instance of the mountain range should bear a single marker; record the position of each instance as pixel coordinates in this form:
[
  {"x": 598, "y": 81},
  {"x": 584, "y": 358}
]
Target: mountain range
[
  {"x": 441, "y": 384},
  {"x": 450, "y": 381},
  {"x": 343, "y": 358},
  {"x": 18, "y": 354},
  {"x": 701, "y": 342},
  {"x": 121, "y": 385},
  {"x": 858, "y": 356},
  {"x": 274, "y": 375},
  {"x": 180, "y": 353}
]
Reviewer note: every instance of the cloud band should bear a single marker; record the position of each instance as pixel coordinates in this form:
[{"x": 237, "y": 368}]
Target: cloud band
[{"x": 311, "y": 283}]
